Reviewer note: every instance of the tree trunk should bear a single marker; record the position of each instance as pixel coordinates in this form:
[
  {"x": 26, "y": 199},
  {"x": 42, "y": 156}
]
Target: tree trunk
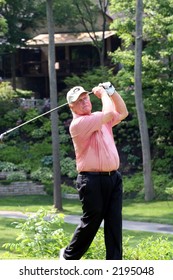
[
  {"x": 13, "y": 70},
  {"x": 53, "y": 103},
  {"x": 147, "y": 172}
]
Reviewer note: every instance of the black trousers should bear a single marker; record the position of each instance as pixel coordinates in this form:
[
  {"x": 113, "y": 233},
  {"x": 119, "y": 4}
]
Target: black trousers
[{"x": 101, "y": 198}]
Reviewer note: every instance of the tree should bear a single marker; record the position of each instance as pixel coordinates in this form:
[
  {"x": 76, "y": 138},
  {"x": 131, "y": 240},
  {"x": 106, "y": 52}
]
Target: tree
[
  {"x": 53, "y": 102},
  {"x": 18, "y": 16},
  {"x": 148, "y": 184},
  {"x": 157, "y": 69},
  {"x": 83, "y": 16}
]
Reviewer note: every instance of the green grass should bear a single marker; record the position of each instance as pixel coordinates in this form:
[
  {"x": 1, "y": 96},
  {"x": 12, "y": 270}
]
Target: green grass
[
  {"x": 34, "y": 202},
  {"x": 156, "y": 211},
  {"x": 8, "y": 234}
]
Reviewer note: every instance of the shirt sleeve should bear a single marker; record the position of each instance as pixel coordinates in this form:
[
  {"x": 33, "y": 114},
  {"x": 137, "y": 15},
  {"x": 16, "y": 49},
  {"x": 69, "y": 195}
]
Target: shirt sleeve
[
  {"x": 86, "y": 125},
  {"x": 116, "y": 119}
]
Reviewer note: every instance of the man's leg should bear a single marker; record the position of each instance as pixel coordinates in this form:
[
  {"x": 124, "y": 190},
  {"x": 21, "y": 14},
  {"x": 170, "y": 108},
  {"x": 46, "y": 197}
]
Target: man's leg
[
  {"x": 113, "y": 220},
  {"x": 90, "y": 196}
]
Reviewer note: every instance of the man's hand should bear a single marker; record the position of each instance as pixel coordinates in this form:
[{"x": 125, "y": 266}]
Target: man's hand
[
  {"x": 108, "y": 87},
  {"x": 99, "y": 91}
]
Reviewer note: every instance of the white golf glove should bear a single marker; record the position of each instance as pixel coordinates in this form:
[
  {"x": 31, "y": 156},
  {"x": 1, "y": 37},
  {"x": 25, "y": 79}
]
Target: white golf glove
[{"x": 108, "y": 87}]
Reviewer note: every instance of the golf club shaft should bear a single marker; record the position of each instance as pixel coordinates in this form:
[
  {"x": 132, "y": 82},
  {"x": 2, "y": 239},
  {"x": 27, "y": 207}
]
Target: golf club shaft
[{"x": 35, "y": 118}]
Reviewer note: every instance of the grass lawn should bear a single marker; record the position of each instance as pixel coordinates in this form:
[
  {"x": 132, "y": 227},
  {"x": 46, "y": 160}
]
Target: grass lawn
[
  {"x": 156, "y": 211},
  {"x": 34, "y": 202}
]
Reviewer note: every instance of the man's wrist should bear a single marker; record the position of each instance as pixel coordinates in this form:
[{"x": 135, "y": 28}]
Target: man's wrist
[
  {"x": 108, "y": 87},
  {"x": 115, "y": 92}
]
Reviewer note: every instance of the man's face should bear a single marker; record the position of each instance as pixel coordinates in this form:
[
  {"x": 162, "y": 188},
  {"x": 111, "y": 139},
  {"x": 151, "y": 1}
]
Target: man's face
[{"x": 82, "y": 106}]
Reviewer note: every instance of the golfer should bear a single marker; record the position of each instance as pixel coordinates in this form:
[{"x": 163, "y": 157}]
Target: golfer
[{"x": 98, "y": 182}]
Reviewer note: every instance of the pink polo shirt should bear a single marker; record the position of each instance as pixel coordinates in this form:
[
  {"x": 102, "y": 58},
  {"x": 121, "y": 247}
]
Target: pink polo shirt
[{"x": 94, "y": 143}]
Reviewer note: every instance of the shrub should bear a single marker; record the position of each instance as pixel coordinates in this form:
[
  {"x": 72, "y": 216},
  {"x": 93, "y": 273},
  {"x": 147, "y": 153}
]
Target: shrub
[
  {"x": 7, "y": 166},
  {"x": 68, "y": 190},
  {"x": 16, "y": 176},
  {"x": 134, "y": 186},
  {"x": 149, "y": 249},
  {"x": 47, "y": 161},
  {"x": 42, "y": 236},
  {"x": 12, "y": 154},
  {"x": 68, "y": 167},
  {"x": 96, "y": 250},
  {"x": 162, "y": 182},
  {"x": 42, "y": 174},
  {"x": 169, "y": 191},
  {"x": 6, "y": 91}
]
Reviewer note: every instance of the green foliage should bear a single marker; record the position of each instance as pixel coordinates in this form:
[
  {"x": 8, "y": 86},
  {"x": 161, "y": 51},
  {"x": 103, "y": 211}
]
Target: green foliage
[
  {"x": 12, "y": 154},
  {"x": 133, "y": 186},
  {"x": 163, "y": 159},
  {"x": 169, "y": 191},
  {"x": 41, "y": 236},
  {"x": 157, "y": 69},
  {"x": 42, "y": 174},
  {"x": 7, "y": 166},
  {"x": 20, "y": 93},
  {"x": 3, "y": 26},
  {"x": 19, "y": 16},
  {"x": 6, "y": 91},
  {"x": 47, "y": 161},
  {"x": 16, "y": 176},
  {"x": 162, "y": 183},
  {"x": 68, "y": 189},
  {"x": 68, "y": 167},
  {"x": 89, "y": 79},
  {"x": 97, "y": 248},
  {"x": 149, "y": 249}
]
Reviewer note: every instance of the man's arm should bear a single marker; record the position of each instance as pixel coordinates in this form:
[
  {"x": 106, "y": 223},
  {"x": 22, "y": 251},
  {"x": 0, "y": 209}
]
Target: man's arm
[
  {"x": 119, "y": 104},
  {"x": 107, "y": 104}
]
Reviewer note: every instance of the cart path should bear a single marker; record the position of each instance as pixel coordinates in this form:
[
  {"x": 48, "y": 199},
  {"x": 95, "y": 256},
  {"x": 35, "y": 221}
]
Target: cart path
[{"x": 129, "y": 225}]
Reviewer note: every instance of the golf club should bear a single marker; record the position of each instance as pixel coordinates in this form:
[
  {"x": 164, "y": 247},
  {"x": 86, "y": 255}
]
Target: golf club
[{"x": 35, "y": 118}]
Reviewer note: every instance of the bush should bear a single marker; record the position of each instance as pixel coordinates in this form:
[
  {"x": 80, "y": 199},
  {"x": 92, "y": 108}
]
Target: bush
[
  {"x": 7, "y": 166},
  {"x": 68, "y": 167},
  {"x": 149, "y": 249},
  {"x": 42, "y": 236},
  {"x": 6, "y": 91},
  {"x": 68, "y": 190},
  {"x": 42, "y": 174},
  {"x": 16, "y": 176},
  {"x": 133, "y": 186},
  {"x": 162, "y": 182},
  {"x": 12, "y": 154}
]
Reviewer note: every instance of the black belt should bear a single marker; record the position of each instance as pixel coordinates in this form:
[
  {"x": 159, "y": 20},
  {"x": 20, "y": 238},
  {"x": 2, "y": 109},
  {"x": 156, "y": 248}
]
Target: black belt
[{"x": 108, "y": 173}]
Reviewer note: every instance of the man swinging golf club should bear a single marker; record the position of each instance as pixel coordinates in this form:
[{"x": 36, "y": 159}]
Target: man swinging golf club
[{"x": 98, "y": 182}]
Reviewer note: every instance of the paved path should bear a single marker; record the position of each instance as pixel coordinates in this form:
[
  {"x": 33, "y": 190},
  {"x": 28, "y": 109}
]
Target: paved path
[{"x": 130, "y": 225}]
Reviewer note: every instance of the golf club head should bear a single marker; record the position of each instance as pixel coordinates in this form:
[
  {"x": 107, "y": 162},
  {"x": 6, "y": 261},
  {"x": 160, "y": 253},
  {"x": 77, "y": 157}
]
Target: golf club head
[{"x": 1, "y": 137}]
